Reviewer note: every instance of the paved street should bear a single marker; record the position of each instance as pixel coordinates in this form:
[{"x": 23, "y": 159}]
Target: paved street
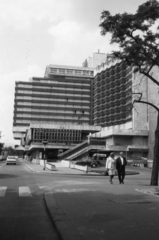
[
  {"x": 23, "y": 213},
  {"x": 91, "y": 208},
  {"x": 81, "y": 206}
]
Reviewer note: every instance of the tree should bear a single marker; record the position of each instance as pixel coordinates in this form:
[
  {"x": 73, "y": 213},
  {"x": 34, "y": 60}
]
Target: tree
[
  {"x": 85, "y": 63},
  {"x": 1, "y": 147},
  {"x": 137, "y": 36},
  {"x": 10, "y": 150}
]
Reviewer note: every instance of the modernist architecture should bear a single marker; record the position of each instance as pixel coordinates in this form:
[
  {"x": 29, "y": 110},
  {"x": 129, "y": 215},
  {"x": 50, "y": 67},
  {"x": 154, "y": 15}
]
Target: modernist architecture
[
  {"x": 125, "y": 128},
  {"x": 71, "y": 103},
  {"x": 112, "y": 95},
  {"x": 57, "y": 107},
  {"x": 63, "y": 96}
]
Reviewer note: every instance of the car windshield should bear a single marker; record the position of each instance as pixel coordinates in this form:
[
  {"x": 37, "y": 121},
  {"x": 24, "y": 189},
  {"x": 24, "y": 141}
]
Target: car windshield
[{"x": 11, "y": 157}]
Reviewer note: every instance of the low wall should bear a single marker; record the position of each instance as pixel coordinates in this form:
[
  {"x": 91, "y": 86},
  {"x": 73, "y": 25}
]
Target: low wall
[
  {"x": 47, "y": 165},
  {"x": 36, "y": 161},
  {"x": 65, "y": 163},
  {"x": 72, "y": 165},
  {"x": 78, "y": 167},
  {"x": 141, "y": 163},
  {"x": 149, "y": 163}
]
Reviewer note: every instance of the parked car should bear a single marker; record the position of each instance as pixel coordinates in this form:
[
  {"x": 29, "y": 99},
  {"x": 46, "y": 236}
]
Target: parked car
[
  {"x": 89, "y": 163},
  {"x": 99, "y": 156},
  {"x": 11, "y": 160}
]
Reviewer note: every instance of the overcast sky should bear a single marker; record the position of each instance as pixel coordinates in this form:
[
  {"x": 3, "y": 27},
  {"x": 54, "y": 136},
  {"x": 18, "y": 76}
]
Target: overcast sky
[{"x": 35, "y": 33}]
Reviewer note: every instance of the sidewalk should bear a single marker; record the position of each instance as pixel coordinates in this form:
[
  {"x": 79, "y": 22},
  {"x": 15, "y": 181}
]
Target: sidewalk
[
  {"x": 60, "y": 169},
  {"x": 107, "y": 212},
  {"x": 104, "y": 211}
]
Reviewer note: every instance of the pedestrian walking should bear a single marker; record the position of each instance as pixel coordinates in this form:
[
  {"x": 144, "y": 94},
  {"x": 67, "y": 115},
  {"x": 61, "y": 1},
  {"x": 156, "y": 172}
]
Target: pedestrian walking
[
  {"x": 110, "y": 166},
  {"x": 121, "y": 162}
]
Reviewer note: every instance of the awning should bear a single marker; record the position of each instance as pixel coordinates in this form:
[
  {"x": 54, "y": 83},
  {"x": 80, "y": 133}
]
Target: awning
[{"x": 20, "y": 148}]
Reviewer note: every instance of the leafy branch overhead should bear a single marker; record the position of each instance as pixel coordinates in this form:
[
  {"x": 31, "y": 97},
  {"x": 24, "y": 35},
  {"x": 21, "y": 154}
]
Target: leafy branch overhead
[{"x": 137, "y": 36}]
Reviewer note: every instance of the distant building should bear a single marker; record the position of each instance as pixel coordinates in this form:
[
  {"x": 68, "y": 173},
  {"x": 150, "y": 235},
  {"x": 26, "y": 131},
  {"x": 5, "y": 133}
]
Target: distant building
[{"x": 96, "y": 60}]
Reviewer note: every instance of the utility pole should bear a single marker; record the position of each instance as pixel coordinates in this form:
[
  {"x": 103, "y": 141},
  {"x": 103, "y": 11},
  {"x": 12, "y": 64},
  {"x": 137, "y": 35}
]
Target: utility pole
[{"x": 45, "y": 142}]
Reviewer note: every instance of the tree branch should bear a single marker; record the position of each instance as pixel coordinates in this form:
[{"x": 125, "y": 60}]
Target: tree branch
[
  {"x": 149, "y": 76},
  {"x": 148, "y": 103}
]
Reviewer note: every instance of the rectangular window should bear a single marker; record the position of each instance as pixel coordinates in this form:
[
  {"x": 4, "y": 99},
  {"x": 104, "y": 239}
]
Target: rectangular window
[{"x": 61, "y": 71}]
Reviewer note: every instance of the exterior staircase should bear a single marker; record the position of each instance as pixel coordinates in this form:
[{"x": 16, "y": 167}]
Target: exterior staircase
[{"x": 81, "y": 150}]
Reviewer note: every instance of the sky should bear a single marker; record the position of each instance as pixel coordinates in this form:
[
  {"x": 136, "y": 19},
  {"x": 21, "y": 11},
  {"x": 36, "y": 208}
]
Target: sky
[{"x": 36, "y": 33}]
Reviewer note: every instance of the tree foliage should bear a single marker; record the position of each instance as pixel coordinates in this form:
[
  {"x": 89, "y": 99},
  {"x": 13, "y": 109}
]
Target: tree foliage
[
  {"x": 85, "y": 63},
  {"x": 10, "y": 150},
  {"x": 1, "y": 147},
  {"x": 137, "y": 36}
]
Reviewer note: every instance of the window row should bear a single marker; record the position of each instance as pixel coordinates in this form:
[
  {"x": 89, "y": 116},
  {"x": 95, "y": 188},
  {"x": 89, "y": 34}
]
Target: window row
[
  {"x": 71, "y": 72},
  {"x": 52, "y": 88},
  {"x": 53, "y": 82},
  {"x": 52, "y": 117},
  {"x": 62, "y": 121},
  {"x": 53, "y": 99},
  {"x": 54, "y": 94},
  {"x": 49, "y": 105},
  {"x": 52, "y": 111}
]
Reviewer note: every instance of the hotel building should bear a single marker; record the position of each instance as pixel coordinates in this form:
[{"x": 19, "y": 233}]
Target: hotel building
[
  {"x": 70, "y": 103},
  {"x": 57, "y": 107}
]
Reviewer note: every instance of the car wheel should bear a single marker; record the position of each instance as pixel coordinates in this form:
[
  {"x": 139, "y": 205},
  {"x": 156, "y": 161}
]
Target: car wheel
[{"x": 94, "y": 165}]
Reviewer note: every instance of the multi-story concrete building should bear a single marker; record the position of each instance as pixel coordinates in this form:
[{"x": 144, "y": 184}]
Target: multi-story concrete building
[
  {"x": 112, "y": 94},
  {"x": 125, "y": 126},
  {"x": 60, "y": 106},
  {"x": 70, "y": 103},
  {"x": 63, "y": 96},
  {"x": 97, "y": 59}
]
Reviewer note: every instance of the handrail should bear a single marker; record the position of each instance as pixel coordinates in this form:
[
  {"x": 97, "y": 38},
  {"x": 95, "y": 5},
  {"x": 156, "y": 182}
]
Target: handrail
[{"x": 72, "y": 149}]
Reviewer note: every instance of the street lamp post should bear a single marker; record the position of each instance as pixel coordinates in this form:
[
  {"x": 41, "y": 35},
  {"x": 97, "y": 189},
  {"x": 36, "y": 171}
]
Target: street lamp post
[
  {"x": 44, "y": 143},
  {"x": 127, "y": 152}
]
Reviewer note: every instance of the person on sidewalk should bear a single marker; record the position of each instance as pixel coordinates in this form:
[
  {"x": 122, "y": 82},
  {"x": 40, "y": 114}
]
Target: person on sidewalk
[
  {"x": 110, "y": 166},
  {"x": 120, "y": 166}
]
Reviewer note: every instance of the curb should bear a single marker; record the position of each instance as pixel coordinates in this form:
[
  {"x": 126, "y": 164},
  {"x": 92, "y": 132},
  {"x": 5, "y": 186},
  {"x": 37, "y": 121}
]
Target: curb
[
  {"x": 63, "y": 226},
  {"x": 87, "y": 174},
  {"x": 54, "y": 172},
  {"x": 29, "y": 168}
]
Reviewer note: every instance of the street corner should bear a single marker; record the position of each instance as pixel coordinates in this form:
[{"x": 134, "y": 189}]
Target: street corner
[
  {"x": 150, "y": 191},
  {"x": 28, "y": 167},
  {"x": 63, "y": 226}
]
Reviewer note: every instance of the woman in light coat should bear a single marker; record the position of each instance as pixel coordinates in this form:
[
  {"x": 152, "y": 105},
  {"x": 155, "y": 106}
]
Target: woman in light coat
[{"x": 110, "y": 166}]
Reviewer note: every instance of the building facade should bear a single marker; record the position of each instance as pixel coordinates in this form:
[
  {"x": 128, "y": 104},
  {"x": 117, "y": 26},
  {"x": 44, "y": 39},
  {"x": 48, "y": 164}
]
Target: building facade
[
  {"x": 70, "y": 103},
  {"x": 112, "y": 94},
  {"x": 63, "y": 96},
  {"x": 125, "y": 125}
]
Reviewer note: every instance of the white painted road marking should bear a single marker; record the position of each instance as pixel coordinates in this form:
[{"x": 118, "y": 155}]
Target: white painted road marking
[
  {"x": 74, "y": 190},
  {"x": 3, "y": 191},
  {"x": 24, "y": 192}
]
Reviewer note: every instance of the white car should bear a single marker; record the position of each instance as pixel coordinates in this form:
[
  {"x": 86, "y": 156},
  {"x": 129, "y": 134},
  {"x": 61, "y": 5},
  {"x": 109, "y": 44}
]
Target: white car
[{"x": 11, "y": 160}]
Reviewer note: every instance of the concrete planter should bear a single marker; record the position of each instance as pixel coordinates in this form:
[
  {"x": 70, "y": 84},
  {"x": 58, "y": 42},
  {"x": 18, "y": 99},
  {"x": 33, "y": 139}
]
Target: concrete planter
[{"x": 149, "y": 163}]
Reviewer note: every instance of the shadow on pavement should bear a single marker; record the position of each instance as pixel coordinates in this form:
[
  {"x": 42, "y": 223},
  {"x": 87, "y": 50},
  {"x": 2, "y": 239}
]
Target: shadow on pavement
[
  {"x": 108, "y": 215},
  {"x": 3, "y": 176}
]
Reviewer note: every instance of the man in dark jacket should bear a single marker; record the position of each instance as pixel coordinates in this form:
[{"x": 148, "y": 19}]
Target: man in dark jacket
[{"x": 120, "y": 166}]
